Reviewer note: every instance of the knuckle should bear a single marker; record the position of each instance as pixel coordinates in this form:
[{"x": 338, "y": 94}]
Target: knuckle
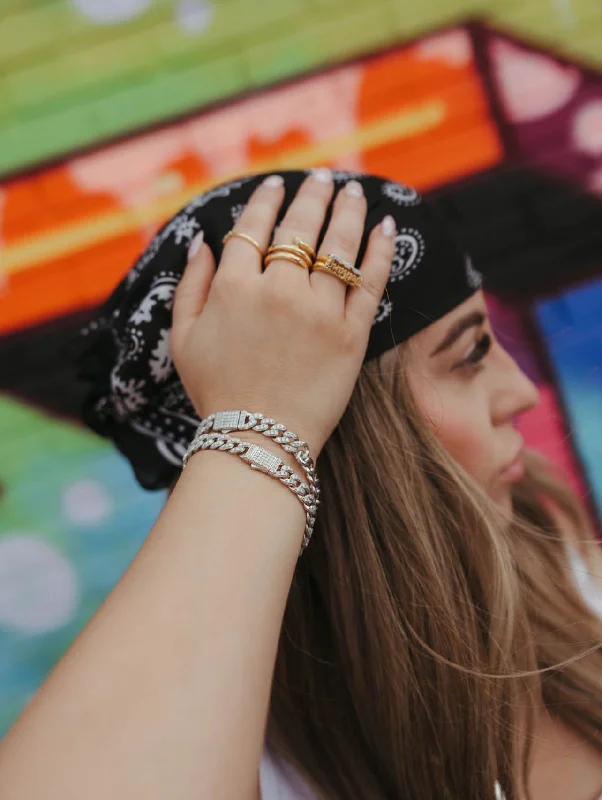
[
  {"x": 294, "y": 225},
  {"x": 226, "y": 285},
  {"x": 344, "y": 241},
  {"x": 373, "y": 287},
  {"x": 280, "y": 294}
]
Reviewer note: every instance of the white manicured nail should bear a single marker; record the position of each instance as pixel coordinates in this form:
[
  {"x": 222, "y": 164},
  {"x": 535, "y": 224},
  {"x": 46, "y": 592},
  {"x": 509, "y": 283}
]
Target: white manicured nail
[
  {"x": 388, "y": 226},
  {"x": 354, "y": 189},
  {"x": 274, "y": 181},
  {"x": 322, "y": 175},
  {"x": 195, "y": 245}
]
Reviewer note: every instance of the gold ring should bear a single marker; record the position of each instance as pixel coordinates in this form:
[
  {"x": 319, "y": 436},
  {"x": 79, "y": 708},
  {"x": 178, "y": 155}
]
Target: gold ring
[
  {"x": 286, "y": 256},
  {"x": 280, "y": 249},
  {"x": 246, "y": 237},
  {"x": 307, "y": 248},
  {"x": 340, "y": 268}
]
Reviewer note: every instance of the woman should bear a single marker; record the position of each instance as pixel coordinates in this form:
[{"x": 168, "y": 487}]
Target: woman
[{"x": 430, "y": 642}]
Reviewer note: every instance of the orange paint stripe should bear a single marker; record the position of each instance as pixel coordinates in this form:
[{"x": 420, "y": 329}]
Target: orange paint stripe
[{"x": 35, "y": 250}]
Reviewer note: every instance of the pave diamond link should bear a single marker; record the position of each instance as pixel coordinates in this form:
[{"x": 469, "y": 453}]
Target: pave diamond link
[
  {"x": 265, "y": 461},
  {"x": 226, "y": 421}
]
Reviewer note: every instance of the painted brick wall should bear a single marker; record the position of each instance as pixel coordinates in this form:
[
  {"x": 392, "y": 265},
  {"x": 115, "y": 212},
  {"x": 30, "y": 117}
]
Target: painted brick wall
[{"x": 450, "y": 112}]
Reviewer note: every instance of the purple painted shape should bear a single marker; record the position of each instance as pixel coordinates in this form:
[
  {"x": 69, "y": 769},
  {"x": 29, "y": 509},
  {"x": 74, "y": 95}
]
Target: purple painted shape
[
  {"x": 515, "y": 335},
  {"x": 549, "y": 107}
]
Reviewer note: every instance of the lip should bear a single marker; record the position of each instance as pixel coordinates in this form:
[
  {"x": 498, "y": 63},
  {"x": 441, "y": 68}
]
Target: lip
[{"x": 513, "y": 471}]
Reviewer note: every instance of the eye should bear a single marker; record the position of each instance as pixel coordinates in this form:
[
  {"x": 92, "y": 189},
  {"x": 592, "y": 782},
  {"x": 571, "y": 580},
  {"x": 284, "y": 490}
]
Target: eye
[{"x": 477, "y": 354}]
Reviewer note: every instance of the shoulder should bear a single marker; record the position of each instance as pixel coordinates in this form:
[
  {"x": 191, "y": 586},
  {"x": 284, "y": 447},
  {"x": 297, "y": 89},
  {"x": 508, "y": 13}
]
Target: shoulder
[{"x": 279, "y": 781}]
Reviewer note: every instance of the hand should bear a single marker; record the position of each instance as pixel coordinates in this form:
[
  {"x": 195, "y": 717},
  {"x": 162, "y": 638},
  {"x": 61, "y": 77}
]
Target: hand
[{"x": 282, "y": 342}]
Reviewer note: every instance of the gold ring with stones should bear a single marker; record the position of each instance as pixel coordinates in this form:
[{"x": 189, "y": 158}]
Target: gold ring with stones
[
  {"x": 281, "y": 250},
  {"x": 246, "y": 237},
  {"x": 340, "y": 268},
  {"x": 286, "y": 255}
]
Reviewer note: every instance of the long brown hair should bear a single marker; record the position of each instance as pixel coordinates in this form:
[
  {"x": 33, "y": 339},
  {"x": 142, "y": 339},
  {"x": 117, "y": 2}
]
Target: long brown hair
[{"x": 421, "y": 633}]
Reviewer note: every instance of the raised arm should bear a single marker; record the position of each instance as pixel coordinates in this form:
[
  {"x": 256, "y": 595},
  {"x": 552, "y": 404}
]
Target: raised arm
[{"x": 165, "y": 693}]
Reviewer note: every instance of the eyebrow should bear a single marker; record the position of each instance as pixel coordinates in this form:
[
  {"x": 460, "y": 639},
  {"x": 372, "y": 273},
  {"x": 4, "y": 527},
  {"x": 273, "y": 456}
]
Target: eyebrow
[{"x": 472, "y": 320}]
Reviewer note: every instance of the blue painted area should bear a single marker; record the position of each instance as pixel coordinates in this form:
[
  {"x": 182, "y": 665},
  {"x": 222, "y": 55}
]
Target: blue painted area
[
  {"x": 571, "y": 325},
  {"x": 72, "y": 500}
]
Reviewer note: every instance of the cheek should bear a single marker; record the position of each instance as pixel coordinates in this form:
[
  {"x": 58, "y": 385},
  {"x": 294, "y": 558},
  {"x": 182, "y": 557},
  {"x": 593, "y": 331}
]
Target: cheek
[
  {"x": 466, "y": 444},
  {"x": 461, "y": 426}
]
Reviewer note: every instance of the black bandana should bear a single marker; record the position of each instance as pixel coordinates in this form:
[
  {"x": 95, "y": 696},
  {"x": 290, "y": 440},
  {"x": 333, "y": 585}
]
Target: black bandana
[{"x": 136, "y": 398}]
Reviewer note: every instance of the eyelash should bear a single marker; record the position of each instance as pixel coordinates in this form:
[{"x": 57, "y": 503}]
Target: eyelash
[{"x": 477, "y": 354}]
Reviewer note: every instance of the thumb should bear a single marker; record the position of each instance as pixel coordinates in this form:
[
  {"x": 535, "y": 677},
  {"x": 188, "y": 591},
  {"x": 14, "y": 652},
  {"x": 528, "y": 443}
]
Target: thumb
[{"x": 192, "y": 291}]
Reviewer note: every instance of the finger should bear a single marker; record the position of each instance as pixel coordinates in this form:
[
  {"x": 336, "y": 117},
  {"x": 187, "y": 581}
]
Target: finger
[
  {"x": 192, "y": 291},
  {"x": 257, "y": 221},
  {"x": 343, "y": 238},
  {"x": 362, "y": 303},
  {"x": 304, "y": 219}
]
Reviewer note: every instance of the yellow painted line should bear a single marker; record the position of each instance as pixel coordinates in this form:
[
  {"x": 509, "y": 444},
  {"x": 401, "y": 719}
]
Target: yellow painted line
[{"x": 35, "y": 250}]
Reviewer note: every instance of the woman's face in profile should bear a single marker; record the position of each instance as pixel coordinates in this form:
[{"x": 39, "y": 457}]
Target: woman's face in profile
[{"x": 470, "y": 390}]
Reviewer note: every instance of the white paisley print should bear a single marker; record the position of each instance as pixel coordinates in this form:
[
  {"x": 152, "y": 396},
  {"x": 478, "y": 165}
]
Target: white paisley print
[
  {"x": 127, "y": 395},
  {"x": 473, "y": 276},
  {"x": 236, "y": 211},
  {"x": 409, "y": 252},
  {"x": 160, "y": 362},
  {"x": 162, "y": 291},
  {"x": 401, "y": 194},
  {"x": 178, "y": 223},
  {"x": 185, "y": 229},
  {"x": 385, "y": 307}
]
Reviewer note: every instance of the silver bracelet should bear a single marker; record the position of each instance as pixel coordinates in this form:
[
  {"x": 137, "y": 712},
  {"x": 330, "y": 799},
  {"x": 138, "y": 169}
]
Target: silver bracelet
[
  {"x": 263, "y": 460},
  {"x": 226, "y": 421}
]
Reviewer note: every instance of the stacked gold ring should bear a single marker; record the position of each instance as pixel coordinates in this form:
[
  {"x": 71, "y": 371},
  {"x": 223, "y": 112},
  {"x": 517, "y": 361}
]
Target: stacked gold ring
[
  {"x": 299, "y": 253},
  {"x": 340, "y": 268},
  {"x": 245, "y": 237}
]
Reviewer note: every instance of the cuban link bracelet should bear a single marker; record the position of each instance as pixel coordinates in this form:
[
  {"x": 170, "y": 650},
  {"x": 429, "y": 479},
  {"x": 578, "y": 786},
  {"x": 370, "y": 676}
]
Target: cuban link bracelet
[
  {"x": 263, "y": 460},
  {"x": 227, "y": 421}
]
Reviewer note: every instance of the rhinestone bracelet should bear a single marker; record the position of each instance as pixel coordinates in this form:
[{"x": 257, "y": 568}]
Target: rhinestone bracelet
[
  {"x": 226, "y": 421},
  {"x": 263, "y": 460}
]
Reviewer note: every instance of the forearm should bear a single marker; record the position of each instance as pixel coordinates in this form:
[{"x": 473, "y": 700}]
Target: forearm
[{"x": 166, "y": 691}]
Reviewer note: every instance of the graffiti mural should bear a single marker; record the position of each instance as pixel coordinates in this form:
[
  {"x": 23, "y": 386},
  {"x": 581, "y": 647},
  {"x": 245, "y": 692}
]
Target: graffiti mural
[{"x": 504, "y": 135}]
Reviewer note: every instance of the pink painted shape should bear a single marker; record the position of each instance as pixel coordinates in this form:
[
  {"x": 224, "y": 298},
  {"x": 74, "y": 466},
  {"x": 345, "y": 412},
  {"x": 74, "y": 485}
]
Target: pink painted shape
[
  {"x": 587, "y": 128},
  {"x": 130, "y": 171},
  {"x": 453, "y": 48},
  {"x": 531, "y": 85},
  {"x": 222, "y": 137},
  {"x": 135, "y": 173},
  {"x": 544, "y": 431}
]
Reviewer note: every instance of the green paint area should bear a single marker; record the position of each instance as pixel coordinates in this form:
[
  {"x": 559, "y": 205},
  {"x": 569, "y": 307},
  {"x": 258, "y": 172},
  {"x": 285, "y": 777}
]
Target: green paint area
[
  {"x": 76, "y": 72},
  {"x": 71, "y": 520}
]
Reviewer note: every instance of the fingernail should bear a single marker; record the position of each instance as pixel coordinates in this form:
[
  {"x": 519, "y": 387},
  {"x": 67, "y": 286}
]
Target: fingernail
[
  {"x": 388, "y": 226},
  {"x": 274, "y": 181},
  {"x": 195, "y": 245},
  {"x": 354, "y": 189},
  {"x": 322, "y": 175}
]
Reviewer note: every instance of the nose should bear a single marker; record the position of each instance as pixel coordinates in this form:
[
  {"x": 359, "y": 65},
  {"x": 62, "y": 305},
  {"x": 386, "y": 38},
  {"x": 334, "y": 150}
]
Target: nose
[{"x": 514, "y": 394}]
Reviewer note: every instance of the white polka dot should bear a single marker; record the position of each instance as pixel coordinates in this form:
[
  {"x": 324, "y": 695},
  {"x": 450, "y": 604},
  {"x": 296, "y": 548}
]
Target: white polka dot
[
  {"x": 86, "y": 503},
  {"x": 38, "y": 586},
  {"x": 587, "y": 128},
  {"x": 194, "y": 16},
  {"x": 110, "y": 12}
]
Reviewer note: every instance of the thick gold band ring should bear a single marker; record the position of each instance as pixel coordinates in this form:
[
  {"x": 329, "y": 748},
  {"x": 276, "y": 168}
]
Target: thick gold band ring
[
  {"x": 340, "y": 268},
  {"x": 246, "y": 237},
  {"x": 277, "y": 250},
  {"x": 285, "y": 255}
]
